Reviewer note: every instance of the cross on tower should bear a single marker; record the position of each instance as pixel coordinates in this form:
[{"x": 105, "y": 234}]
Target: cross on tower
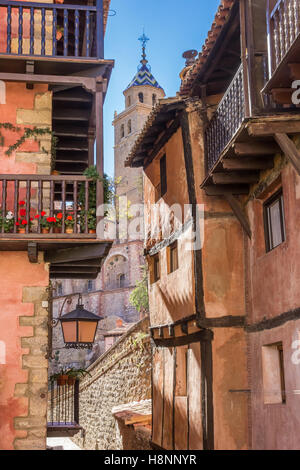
[{"x": 144, "y": 41}]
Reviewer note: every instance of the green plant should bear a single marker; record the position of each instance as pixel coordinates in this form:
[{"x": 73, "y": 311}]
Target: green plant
[
  {"x": 69, "y": 222},
  {"x": 92, "y": 173},
  {"x": 139, "y": 296},
  {"x": 7, "y": 222},
  {"x": 77, "y": 373}
]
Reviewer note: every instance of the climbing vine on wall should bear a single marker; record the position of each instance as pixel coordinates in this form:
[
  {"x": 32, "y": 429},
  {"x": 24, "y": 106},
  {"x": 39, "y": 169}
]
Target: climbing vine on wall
[{"x": 27, "y": 134}]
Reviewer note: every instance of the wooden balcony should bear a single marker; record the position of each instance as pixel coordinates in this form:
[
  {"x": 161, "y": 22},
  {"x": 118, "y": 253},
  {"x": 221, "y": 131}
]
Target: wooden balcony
[
  {"x": 51, "y": 35},
  {"x": 227, "y": 119},
  {"x": 283, "y": 22},
  {"x": 241, "y": 141},
  {"x": 56, "y": 215}
]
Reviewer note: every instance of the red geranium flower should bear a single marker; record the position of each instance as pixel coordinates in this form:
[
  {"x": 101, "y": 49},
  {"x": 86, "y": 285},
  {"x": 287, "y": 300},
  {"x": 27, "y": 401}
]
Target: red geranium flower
[
  {"x": 37, "y": 216},
  {"x": 17, "y": 223},
  {"x": 59, "y": 215},
  {"x": 22, "y": 203},
  {"x": 69, "y": 217},
  {"x": 43, "y": 213},
  {"x": 22, "y": 212},
  {"x": 24, "y": 222}
]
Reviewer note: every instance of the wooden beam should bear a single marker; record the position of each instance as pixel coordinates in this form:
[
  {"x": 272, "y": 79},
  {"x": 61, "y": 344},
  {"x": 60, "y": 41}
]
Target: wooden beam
[
  {"x": 88, "y": 83},
  {"x": 289, "y": 149},
  {"x": 235, "y": 178},
  {"x": 255, "y": 148},
  {"x": 221, "y": 190},
  {"x": 33, "y": 252},
  {"x": 248, "y": 163},
  {"x": 239, "y": 213},
  {"x": 77, "y": 254},
  {"x": 261, "y": 129}
]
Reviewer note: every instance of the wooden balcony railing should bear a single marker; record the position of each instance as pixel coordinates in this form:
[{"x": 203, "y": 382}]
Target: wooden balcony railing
[
  {"x": 51, "y": 30},
  {"x": 226, "y": 120},
  {"x": 283, "y": 29},
  {"x": 47, "y": 206}
]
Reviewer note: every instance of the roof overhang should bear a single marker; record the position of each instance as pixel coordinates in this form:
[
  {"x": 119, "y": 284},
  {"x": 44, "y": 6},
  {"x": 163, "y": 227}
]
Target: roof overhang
[{"x": 162, "y": 123}]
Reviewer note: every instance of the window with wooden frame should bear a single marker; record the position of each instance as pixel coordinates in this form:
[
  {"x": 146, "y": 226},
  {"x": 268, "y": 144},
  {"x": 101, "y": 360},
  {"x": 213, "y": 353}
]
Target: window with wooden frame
[
  {"x": 273, "y": 374},
  {"x": 172, "y": 255},
  {"x": 163, "y": 175},
  {"x": 154, "y": 269},
  {"x": 274, "y": 221}
]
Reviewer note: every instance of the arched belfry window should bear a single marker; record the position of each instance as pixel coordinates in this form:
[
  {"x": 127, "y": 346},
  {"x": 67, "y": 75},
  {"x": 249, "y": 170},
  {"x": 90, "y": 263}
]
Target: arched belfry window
[
  {"x": 153, "y": 99},
  {"x": 129, "y": 126},
  {"x": 141, "y": 97},
  {"x": 129, "y": 101},
  {"x": 122, "y": 131}
]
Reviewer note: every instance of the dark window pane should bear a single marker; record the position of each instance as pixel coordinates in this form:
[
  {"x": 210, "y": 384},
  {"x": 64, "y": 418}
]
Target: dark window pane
[
  {"x": 163, "y": 175},
  {"x": 275, "y": 224}
]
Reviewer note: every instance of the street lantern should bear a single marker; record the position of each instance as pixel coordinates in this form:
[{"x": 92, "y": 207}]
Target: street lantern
[{"x": 79, "y": 327}]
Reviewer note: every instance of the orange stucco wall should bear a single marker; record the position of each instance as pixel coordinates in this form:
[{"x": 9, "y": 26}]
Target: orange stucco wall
[{"x": 15, "y": 273}]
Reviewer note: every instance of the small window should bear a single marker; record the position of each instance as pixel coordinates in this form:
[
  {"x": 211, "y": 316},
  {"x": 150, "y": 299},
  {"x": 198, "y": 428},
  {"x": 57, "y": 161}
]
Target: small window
[
  {"x": 90, "y": 286},
  {"x": 163, "y": 176},
  {"x": 59, "y": 289},
  {"x": 122, "y": 131},
  {"x": 129, "y": 126},
  {"x": 274, "y": 221},
  {"x": 121, "y": 281},
  {"x": 129, "y": 101},
  {"x": 273, "y": 374},
  {"x": 173, "y": 257},
  {"x": 155, "y": 269},
  {"x": 153, "y": 100},
  {"x": 141, "y": 97}
]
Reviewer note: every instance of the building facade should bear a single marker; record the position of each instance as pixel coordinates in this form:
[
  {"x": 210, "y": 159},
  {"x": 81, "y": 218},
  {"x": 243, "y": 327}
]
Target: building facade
[
  {"x": 224, "y": 299},
  {"x": 52, "y": 85},
  {"x": 110, "y": 293}
]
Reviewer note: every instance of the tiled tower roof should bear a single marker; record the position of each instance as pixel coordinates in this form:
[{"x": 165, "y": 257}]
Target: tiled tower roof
[{"x": 144, "y": 76}]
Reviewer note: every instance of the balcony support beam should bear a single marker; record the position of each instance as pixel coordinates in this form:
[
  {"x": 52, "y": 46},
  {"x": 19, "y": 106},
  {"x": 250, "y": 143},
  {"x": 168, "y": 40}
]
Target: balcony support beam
[
  {"x": 289, "y": 149},
  {"x": 235, "y": 178},
  {"x": 87, "y": 82},
  {"x": 248, "y": 163},
  {"x": 33, "y": 252},
  {"x": 239, "y": 213},
  {"x": 255, "y": 148}
]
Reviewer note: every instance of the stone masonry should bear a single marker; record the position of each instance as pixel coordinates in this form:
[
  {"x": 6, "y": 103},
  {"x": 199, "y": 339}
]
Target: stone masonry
[{"x": 121, "y": 375}]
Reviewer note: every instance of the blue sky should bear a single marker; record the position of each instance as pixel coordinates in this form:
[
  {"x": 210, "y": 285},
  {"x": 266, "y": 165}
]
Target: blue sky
[{"x": 173, "y": 27}]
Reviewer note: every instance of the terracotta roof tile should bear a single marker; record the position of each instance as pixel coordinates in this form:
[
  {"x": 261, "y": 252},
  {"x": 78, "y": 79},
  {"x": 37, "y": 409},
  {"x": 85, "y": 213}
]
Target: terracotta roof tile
[{"x": 219, "y": 21}]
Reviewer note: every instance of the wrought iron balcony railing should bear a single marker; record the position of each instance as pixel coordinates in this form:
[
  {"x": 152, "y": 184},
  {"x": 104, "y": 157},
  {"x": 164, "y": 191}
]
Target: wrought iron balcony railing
[
  {"x": 283, "y": 29},
  {"x": 34, "y": 206},
  {"x": 50, "y": 30},
  {"x": 63, "y": 410},
  {"x": 226, "y": 120}
]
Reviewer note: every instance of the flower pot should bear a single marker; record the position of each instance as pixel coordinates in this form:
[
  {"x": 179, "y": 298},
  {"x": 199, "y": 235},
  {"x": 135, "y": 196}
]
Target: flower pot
[
  {"x": 55, "y": 172},
  {"x": 59, "y": 35},
  {"x": 59, "y": 1},
  {"x": 69, "y": 230},
  {"x": 21, "y": 230},
  {"x": 92, "y": 230},
  {"x": 71, "y": 380},
  {"x": 45, "y": 230},
  {"x": 62, "y": 380},
  {"x": 57, "y": 230}
]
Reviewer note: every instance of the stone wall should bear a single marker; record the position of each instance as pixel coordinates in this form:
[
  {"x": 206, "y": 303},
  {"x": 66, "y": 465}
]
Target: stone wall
[{"x": 121, "y": 375}]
